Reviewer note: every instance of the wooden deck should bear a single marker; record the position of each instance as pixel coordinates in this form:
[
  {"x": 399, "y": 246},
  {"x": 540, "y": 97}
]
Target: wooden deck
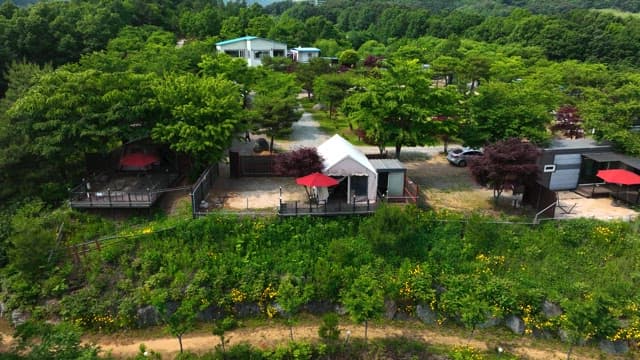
[
  {"x": 122, "y": 190},
  {"x": 627, "y": 194},
  {"x": 596, "y": 190},
  {"x": 114, "y": 199}
]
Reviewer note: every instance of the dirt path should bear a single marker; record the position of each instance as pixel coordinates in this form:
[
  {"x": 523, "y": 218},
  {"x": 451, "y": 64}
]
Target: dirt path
[{"x": 270, "y": 336}]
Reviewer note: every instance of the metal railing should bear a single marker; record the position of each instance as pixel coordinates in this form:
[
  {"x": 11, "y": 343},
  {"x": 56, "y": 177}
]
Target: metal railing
[
  {"x": 200, "y": 190},
  {"x": 324, "y": 208}
]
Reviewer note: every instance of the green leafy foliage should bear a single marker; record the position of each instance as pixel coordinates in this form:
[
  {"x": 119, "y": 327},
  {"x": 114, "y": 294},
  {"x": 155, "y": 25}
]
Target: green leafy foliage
[
  {"x": 364, "y": 299},
  {"x": 199, "y": 115},
  {"x": 274, "y": 107},
  {"x": 328, "y": 330},
  {"x": 48, "y": 342}
]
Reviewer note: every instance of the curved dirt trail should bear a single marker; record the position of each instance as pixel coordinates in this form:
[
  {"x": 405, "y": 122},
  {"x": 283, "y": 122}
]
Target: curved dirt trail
[{"x": 270, "y": 336}]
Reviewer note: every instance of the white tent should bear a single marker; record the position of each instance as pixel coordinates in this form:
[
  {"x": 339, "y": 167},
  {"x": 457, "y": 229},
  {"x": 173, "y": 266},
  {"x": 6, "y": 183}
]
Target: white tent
[{"x": 343, "y": 160}]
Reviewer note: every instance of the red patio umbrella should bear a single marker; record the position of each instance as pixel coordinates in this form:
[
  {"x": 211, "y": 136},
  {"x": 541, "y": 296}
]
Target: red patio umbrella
[
  {"x": 138, "y": 161},
  {"x": 619, "y": 176},
  {"x": 317, "y": 179}
]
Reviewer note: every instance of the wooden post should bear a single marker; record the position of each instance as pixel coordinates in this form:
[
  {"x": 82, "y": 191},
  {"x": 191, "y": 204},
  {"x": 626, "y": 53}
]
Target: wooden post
[
  {"x": 109, "y": 195},
  {"x": 98, "y": 245},
  {"x": 76, "y": 257},
  {"x": 129, "y": 195},
  {"x": 296, "y": 207}
]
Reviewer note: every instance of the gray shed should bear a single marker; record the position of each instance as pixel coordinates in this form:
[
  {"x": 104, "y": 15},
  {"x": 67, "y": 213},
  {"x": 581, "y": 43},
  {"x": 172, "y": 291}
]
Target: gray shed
[{"x": 391, "y": 176}]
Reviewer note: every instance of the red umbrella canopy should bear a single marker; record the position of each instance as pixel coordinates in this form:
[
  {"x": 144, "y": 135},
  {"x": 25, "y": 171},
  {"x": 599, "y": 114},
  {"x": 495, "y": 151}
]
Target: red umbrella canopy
[
  {"x": 138, "y": 160},
  {"x": 619, "y": 176},
  {"x": 317, "y": 179}
]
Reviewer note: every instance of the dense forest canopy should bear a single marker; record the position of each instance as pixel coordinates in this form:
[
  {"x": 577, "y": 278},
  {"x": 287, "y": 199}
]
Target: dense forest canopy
[{"x": 77, "y": 74}]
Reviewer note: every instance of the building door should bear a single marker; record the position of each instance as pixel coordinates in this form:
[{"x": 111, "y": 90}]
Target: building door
[
  {"x": 396, "y": 184},
  {"x": 567, "y": 172}
]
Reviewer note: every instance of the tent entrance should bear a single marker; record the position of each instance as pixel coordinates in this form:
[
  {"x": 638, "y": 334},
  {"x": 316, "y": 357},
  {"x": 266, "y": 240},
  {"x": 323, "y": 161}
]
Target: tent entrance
[
  {"x": 348, "y": 187},
  {"x": 359, "y": 186}
]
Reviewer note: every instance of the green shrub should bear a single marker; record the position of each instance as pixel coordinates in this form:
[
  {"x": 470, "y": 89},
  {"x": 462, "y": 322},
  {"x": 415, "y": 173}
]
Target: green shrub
[{"x": 328, "y": 330}]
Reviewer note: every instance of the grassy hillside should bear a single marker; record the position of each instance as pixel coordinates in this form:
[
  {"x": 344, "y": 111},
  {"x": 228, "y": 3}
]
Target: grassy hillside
[{"x": 465, "y": 270}]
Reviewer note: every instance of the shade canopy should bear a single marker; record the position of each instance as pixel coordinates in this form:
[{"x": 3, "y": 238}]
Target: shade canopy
[
  {"x": 619, "y": 176},
  {"x": 138, "y": 161},
  {"x": 317, "y": 179}
]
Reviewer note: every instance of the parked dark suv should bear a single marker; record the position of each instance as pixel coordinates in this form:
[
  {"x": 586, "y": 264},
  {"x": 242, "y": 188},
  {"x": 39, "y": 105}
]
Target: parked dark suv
[{"x": 460, "y": 156}]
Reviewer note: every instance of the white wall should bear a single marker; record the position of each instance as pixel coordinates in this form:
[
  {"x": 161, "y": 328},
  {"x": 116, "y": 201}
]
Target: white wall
[
  {"x": 348, "y": 166},
  {"x": 253, "y": 50}
]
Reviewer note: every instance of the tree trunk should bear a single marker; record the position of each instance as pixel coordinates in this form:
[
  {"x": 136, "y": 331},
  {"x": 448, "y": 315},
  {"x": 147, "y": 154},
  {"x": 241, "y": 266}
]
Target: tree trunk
[
  {"x": 446, "y": 144},
  {"x": 496, "y": 194},
  {"x": 222, "y": 342},
  {"x": 569, "y": 351},
  {"x": 366, "y": 328},
  {"x": 271, "y": 144},
  {"x": 330, "y": 109},
  {"x": 180, "y": 342},
  {"x": 291, "y": 331},
  {"x": 398, "y": 148}
]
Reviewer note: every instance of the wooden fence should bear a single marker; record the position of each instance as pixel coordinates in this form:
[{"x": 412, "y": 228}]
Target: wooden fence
[
  {"x": 251, "y": 165},
  {"x": 262, "y": 165},
  {"x": 411, "y": 194}
]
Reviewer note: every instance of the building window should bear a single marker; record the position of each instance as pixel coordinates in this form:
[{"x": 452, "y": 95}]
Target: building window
[
  {"x": 260, "y": 54},
  {"x": 278, "y": 52},
  {"x": 235, "y": 53}
]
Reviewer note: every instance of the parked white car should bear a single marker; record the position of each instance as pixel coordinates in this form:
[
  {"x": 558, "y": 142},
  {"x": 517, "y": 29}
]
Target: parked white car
[{"x": 461, "y": 156}]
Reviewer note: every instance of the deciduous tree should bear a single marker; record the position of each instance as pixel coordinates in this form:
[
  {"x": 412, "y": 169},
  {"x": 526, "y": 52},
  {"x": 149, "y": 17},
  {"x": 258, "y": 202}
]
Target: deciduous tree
[
  {"x": 398, "y": 106},
  {"x": 364, "y": 299},
  {"x": 498, "y": 111},
  {"x": 297, "y": 163},
  {"x": 291, "y": 296},
  {"x": 274, "y": 107},
  {"x": 199, "y": 115},
  {"x": 569, "y": 122},
  {"x": 505, "y": 163},
  {"x": 332, "y": 89}
]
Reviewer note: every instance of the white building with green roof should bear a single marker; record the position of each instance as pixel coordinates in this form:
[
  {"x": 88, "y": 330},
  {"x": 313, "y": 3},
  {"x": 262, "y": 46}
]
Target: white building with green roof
[{"x": 252, "y": 48}]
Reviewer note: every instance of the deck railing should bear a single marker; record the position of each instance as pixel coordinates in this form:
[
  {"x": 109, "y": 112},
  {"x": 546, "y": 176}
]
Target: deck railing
[
  {"x": 105, "y": 197},
  {"x": 299, "y": 208},
  {"x": 108, "y": 198}
]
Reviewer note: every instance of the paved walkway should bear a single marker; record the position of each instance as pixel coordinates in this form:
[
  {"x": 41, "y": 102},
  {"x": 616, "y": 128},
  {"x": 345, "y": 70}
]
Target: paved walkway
[{"x": 306, "y": 133}]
